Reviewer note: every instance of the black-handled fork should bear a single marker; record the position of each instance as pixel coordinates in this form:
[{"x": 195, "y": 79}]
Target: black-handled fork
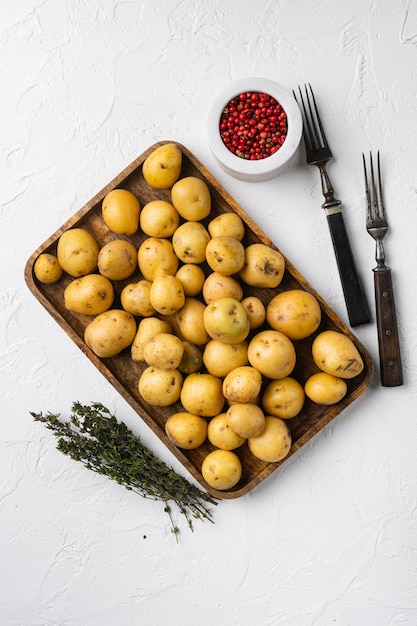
[
  {"x": 377, "y": 227},
  {"x": 318, "y": 153}
]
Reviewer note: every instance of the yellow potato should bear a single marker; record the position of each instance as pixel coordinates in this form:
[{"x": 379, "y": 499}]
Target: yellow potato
[
  {"x": 77, "y": 252},
  {"x": 283, "y": 398},
  {"x": 201, "y": 394},
  {"x": 192, "y": 277},
  {"x": 162, "y": 168},
  {"x": 221, "y": 435},
  {"x": 335, "y": 353},
  {"x": 186, "y": 430},
  {"x": 167, "y": 294},
  {"x": 164, "y": 350},
  {"x": 225, "y": 319},
  {"x": 156, "y": 256},
  {"x": 110, "y": 332},
  {"x": 225, "y": 255},
  {"x": 190, "y": 321},
  {"x": 246, "y": 419},
  {"x": 274, "y": 443},
  {"x": 255, "y": 310},
  {"x": 47, "y": 268},
  {"x": 272, "y": 353},
  {"x": 160, "y": 387},
  {"x": 227, "y": 224},
  {"x": 220, "y": 286},
  {"x": 120, "y": 209},
  {"x": 263, "y": 266},
  {"x": 222, "y": 469},
  {"x": 117, "y": 259},
  {"x": 190, "y": 241},
  {"x": 325, "y": 389},
  {"x": 221, "y": 358},
  {"x": 295, "y": 312},
  {"x": 135, "y": 298},
  {"x": 159, "y": 218},
  {"x": 242, "y": 384},
  {"x": 147, "y": 328},
  {"x": 90, "y": 295},
  {"x": 191, "y": 197}
]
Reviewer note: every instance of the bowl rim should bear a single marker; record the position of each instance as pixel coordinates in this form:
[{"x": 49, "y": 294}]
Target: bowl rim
[{"x": 273, "y": 162}]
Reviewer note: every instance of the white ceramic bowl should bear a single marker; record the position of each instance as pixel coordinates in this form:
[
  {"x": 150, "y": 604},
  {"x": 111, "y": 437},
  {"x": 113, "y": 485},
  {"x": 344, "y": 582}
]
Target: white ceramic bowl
[{"x": 268, "y": 167}]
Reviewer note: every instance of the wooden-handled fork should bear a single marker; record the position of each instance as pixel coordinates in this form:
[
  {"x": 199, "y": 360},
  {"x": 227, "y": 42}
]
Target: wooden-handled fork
[{"x": 377, "y": 227}]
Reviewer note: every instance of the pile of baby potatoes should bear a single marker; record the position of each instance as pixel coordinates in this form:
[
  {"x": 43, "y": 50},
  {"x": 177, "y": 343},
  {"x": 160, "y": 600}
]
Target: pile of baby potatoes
[{"x": 203, "y": 339}]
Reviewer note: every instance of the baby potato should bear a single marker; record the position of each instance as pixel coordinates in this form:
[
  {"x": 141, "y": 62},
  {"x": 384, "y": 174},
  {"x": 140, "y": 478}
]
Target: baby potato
[
  {"x": 191, "y": 197},
  {"x": 110, "y": 332},
  {"x": 335, "y": 353},
  {"x": 220, "y": 286},
  {"x": 323, "y": 388},
  {"x": 117, "y": 259},
  {"x": 192, "y": 358},
  {"x": 77, "y": 252},
  {"x": 221, "y": 358},
  {"x": 47, "y": 268},
  {"x": 225, "y": 255},
  {"x": 135, "y": 298},
  {"x": 229, "y": 224},
  {"x": 246, "y": 419},
  {"x": 242, "y": 384},
  {"x": 192, "y": 277},
  {"x": 164, "y": 350},
  {"x": 90, "y": 295},
  {"x": 274, "y": 443},
  {"x": 190, "y": 321},
  {"x": 221, "y": 469},
  {"x": 295, "y": 312},
  {"x": 159, "y": 218},
  {"x": 263, "y": 266},
  {"x": 190, "y": 241},
  {"x": 120, "y": 209},
  {"x": 160, "y": 387},
  {"x": 201, "y": 394},
  {"x": 163, "y": 166},
  {"x": 147, "y": 328},
  {"x": 156, "y": 256},
  {"x": 283, "y": 398},
  {"x": 186, "y": 430},
  {"x": 167, "y": 294},
  {"x": 221, "y": 435},
  {"x": 272, "y": 353},
  {"x": 225, "y": 319},
  {"x": 255, "y": 311}
]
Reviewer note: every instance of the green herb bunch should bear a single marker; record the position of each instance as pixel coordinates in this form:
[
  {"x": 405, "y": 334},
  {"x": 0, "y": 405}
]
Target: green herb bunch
[{"x": 94, "y": 436}]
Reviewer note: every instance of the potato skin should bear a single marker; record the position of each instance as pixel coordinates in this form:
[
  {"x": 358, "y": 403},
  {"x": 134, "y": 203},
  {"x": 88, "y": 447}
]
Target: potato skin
[
  {"x": 167, "y": 294},
  {"x": 191, "y": 197},
  {"x": 221, "y": 435},
  {"x": 272, "y": 353},
  {"x": 221, "y": 286},
  {"x": 77, "y": 252},
  {"x": 229, "y": 224},
  {"x": 159, "y": 218},
  {"x": 117, "y": 259},
  {"x": 47, "y": 268},
  {"x": 162, "y": 168},
  {"x": 190, "y": 321},
  {"x": 335, "y": 353},
  {"x": 246, "y": 419},
  {"x": 164, "y": 350},
  {"x": 186, "y": 430},
  {"x": 283, "y": 398},
  {"x": 221, "y": 469},
  {"x": 274, "y": 443},
  {"x": 156, "y": 256},
  {"x": 294, "y": 312},
  {"x": 147, "y": 328},
  {"x": 201, "y": 394},
  {"x": 121, "y": 209},
  {"x": 221, "y": 358},
  {"x": 89, "y": 295},
  {"x": 242, "y": 384},
  {"x": 135, "y": 298},
  {"x": 263, "y": 266},
  {"x": 225, "y": 255},
  {"x": 190, "y": 241},
  {"x": 323, "y": 388},
  {"x": 160, "y": 387},
  {"x": 110, "y": 332}
]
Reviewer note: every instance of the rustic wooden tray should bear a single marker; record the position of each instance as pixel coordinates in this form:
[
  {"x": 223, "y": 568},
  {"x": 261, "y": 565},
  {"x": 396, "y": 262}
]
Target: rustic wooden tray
[{"x": 123, "y": 373}]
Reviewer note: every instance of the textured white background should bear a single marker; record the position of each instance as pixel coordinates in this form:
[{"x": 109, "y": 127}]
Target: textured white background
[{"x": 331, "y": 538}]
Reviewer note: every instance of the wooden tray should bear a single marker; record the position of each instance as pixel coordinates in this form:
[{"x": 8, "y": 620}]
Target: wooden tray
[{"x": 123, "y": 373}]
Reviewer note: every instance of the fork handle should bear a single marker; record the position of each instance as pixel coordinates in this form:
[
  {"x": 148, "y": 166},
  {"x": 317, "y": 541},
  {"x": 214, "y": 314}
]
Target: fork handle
[
  {"x": 388, "y": 341},
  {"x": 357, "y": 308}
]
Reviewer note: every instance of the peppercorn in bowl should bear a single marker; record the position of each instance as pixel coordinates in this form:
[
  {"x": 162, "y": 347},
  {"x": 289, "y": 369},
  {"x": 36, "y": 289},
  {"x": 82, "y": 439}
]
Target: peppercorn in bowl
[{"x": 254, "y": 129}]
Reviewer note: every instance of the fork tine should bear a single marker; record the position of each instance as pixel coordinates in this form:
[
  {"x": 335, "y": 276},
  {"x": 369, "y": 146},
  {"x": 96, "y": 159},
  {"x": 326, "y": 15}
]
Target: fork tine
[{"x": 318, "y": 131}]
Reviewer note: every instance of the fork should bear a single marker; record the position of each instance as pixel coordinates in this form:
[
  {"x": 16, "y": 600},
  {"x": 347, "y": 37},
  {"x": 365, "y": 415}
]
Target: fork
[
  {"x": 377, "y": 227},
  {"x": 318, "y": 153}
]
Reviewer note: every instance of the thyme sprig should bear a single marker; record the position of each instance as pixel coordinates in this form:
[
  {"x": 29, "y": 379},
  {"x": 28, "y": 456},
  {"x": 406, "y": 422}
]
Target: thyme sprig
[{"x": 93, "y": 436}]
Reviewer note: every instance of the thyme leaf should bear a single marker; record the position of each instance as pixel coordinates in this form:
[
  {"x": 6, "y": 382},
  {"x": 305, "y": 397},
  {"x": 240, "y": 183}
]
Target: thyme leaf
[{"x": 103, "y": 444}]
